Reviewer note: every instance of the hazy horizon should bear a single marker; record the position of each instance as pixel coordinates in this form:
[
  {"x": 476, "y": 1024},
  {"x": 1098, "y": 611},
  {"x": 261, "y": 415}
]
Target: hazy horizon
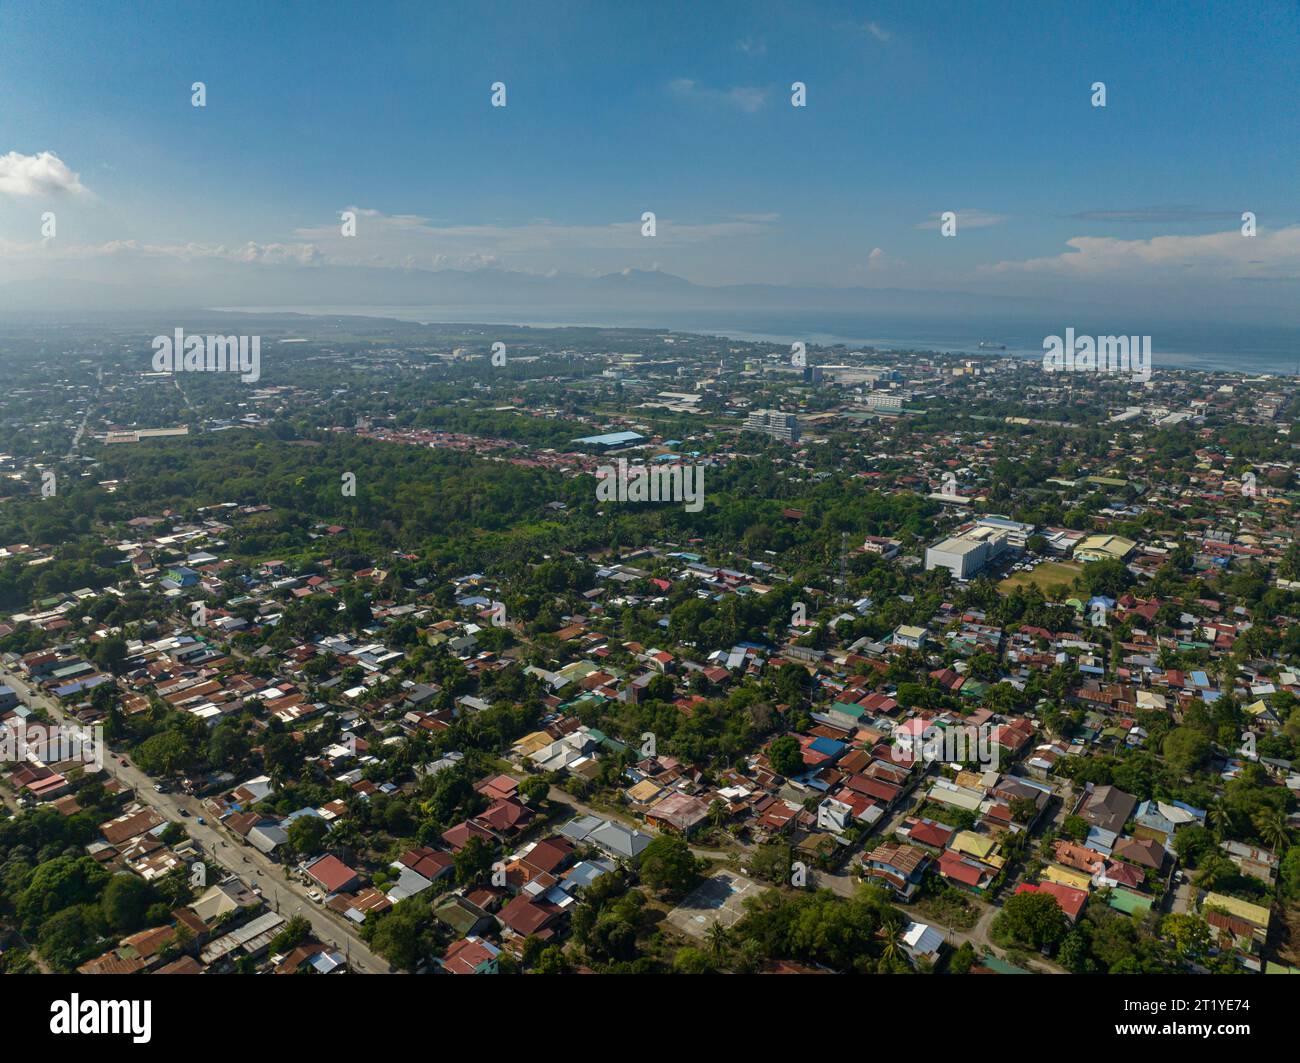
[{"x": 812, "y": 152}]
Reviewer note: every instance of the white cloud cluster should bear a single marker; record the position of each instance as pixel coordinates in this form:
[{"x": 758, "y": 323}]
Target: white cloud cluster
[
  {"x": 265, "y": 254},
  {"x": 1269, "y": 255},
  {"x": 27, "y": 176},
  {"x": 412, "y": 242}
]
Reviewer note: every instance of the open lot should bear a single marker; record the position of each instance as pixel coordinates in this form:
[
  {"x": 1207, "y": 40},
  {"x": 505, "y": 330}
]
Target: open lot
[{"x": 1047, "y": 575}]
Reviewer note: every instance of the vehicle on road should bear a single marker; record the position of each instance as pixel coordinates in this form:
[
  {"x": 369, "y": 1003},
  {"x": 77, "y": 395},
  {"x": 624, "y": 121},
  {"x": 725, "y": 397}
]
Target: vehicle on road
[
  {"x": 158, "y": 787},
  {"x": 316, "y": 896},
  {"x": 184, "y": 812},
  {"x": 201, "y": 820}
]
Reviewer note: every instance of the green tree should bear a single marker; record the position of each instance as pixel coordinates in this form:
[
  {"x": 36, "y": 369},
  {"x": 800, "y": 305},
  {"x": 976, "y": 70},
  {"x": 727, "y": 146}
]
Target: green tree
[
  {"x": 306, "y": 833},
  {"x": 1272, "y": 827},
  {"x": 669, "y": 866},
  {"x": 1189, "y": 933},
  {"x": 691, "y": 961},
  {"x": 165, "y": 753},
  {"x": 473, "y": 861},
  {"x": 1075, "y": 828},
  {"x": 1289, "y": 874},
  {"x": 534, "y": 790},
  {"x": 785, "y": 755},
  {"x": 1033, "y": 919},
  {"x": 551, "y": 960},
  {"x": 58, "y": 884},
  {"x": 404, "y": 936},
  {"x": 1186, "y": 749},
  {"x": 69, "y": 936},
  {"x": 126, "y": 899},
  {"x": 110, "y": 654},
  {"x": 296, "y": 931}
]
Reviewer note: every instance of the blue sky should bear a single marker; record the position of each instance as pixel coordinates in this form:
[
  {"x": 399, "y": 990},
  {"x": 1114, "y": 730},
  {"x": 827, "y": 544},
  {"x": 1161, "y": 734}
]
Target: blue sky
[{"x": 683, "y": 109}]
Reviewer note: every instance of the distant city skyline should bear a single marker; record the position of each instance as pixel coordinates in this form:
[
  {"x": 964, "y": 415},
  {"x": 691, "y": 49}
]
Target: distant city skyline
[{"x": 912, "y": 110}]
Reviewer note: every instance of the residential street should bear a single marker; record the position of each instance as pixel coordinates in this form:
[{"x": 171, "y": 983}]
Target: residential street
[
  {"x": 844, "y": 883},
  {"x": 288, "y": 897}
]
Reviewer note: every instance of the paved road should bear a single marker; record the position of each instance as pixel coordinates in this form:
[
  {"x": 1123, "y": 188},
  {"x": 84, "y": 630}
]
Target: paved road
[
  {"x": 289, "y": 897},
  {"x": 81, "y": 428}
]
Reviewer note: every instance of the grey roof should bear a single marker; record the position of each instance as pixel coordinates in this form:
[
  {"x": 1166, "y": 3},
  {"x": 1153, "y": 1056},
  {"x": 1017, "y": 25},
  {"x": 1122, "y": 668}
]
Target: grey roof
[
  {"x": 1108, "y": 807},
  {"x": 409, "y": 883},
  {"x": 619, "y": 840},
  {"x": 578, "y": 829},
  {"x": 266, "y": 836},
  {"x": 585, "y": 873}
]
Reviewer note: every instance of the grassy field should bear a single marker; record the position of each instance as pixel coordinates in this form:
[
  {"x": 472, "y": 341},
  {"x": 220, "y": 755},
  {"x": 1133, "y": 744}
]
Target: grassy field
[{"x": 1047, "y": 575}]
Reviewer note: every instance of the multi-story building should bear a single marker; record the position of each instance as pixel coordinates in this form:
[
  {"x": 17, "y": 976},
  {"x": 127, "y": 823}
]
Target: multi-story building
[
  {"x": 964, "y": 555},
  {"x": 885, "y": 400},
  {"x": 774, "y": 423}
]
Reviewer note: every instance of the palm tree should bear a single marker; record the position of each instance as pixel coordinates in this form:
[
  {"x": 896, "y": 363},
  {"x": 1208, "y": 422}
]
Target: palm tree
[
  {"x": 890, "y": 929},
  {"x": 719, "y": 938},
  {"x": 1273, "y": 829},
  {"x": 1220, "y": 817}
]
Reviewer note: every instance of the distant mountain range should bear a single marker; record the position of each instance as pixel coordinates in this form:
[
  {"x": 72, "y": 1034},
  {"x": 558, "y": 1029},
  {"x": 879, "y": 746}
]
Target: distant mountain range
[
  {"x": 899, "y": 317},
  {"x": 170, "y": 285}
]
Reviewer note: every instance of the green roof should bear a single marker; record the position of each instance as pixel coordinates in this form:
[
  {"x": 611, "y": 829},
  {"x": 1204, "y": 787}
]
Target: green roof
[
  {"x": 1001, "y": 966},
  {"x": 1130, "y": 903}
]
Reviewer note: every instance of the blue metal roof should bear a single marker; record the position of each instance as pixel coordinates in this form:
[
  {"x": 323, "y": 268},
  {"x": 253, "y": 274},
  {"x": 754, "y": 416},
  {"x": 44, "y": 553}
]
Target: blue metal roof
[{"x": 611, "y": 439}]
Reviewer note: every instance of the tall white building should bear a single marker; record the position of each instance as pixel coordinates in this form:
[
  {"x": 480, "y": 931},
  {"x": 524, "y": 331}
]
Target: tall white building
[{"x": 774, "y": 423}]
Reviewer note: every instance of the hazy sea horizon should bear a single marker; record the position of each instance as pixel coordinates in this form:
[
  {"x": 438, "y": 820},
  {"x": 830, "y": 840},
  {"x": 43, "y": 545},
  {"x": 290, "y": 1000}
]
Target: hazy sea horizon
[{"x": 1225, "y": 347}]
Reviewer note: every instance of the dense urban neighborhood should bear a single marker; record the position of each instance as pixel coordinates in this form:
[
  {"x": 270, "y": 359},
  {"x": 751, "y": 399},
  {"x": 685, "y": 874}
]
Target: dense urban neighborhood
[{"x": 477, "y": 650}]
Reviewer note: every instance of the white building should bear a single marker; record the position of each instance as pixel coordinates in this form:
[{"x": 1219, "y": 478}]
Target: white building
[
  {"x": 966, "y": 554},
  {"x": 885, "y": 400},
  {"x": 909, "y": 636},
  {"x": 774, "y": 423}
]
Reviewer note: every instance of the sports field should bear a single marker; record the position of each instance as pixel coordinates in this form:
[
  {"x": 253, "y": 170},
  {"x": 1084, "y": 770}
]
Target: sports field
[{"x": 1047, "y": 575}]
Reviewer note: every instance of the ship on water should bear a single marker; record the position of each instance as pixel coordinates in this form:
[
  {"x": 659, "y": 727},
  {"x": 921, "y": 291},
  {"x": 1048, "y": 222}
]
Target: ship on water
[{"x": 989, "y": 345}]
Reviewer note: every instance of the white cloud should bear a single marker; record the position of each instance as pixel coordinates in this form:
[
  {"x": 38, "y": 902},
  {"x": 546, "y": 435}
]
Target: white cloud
[
  {"x": 877, "y": 30},
  {"x": 1269, "y": 255},
  {"x": 265, "y": 254},
  {"x": 395, "y": 237},
  {"x": 746, "y": 98},
  {"x": 413, "y": 242},
  {"x": 37, "y": 175},
  {"x": 969, "y": 218}
]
